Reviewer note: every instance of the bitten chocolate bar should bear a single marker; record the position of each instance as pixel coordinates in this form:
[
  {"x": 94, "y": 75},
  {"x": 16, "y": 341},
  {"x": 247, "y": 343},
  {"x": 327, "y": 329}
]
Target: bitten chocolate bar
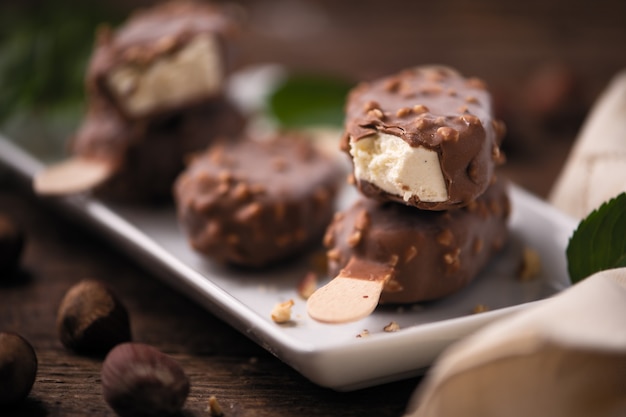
[
  {"x": 425, "y": 137},
  {"x": 166, "y": 57}
]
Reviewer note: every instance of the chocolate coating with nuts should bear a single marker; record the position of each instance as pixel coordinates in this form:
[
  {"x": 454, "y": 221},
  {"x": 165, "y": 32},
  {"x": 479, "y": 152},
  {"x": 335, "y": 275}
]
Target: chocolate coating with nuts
[
  {"x": 253, "y": 203},
  {"x": 149, "y": 155},
  {"x": 431, "y": 253},
  {"x": 440, "y": 110},
  {"x": 148, "y": 39}
]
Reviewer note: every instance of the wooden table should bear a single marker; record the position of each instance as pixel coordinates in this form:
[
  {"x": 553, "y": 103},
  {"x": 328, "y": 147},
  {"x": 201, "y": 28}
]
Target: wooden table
[{"x": 501, "y": 42}]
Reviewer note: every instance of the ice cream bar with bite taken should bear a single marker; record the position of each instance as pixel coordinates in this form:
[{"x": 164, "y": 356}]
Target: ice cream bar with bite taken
[
  {"x": 393, "y": 253},
  {"x": 162, "y": 58},
  {"x": 425, "y": 137}
]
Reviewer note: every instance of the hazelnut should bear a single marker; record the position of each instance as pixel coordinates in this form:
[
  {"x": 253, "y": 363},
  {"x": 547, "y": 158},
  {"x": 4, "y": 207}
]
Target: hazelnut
[
  {"x": 91, "y": 319},
  {"x": 11, "y": 245},
  {"x": 18, "y": 368},
  {"x": 139, "y": 380}
]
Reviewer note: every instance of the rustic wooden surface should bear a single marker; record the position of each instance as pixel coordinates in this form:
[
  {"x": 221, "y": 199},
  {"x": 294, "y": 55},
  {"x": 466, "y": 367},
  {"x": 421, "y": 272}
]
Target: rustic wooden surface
[{"x": 502, "y": 41}]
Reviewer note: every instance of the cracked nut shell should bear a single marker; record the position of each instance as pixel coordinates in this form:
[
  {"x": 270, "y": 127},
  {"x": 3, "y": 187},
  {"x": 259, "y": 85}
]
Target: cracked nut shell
[
  {"x": 18, "y": 368},
  {"x": 139, "y": 380},
  {"x": 91, "y": 319}
]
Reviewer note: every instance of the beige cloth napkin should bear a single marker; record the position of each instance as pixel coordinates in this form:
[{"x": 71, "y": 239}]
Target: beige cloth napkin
[
  {"x": 565, "y": 356},
  {"x": 595, "y": 170}
]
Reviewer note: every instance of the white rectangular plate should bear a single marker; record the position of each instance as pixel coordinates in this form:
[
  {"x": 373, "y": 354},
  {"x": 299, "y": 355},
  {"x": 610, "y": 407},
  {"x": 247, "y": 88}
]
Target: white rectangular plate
[{"x": 330, "y": 355}]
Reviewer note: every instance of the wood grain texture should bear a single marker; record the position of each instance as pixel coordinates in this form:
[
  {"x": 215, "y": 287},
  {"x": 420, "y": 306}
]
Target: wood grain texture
[
  {"x": 220, "y": 361},
  {"x": 503, "y": 42}
]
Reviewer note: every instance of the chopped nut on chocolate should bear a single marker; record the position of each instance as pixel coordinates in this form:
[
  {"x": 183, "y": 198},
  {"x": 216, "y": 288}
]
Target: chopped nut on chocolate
[{"x": 282, "y": 312}]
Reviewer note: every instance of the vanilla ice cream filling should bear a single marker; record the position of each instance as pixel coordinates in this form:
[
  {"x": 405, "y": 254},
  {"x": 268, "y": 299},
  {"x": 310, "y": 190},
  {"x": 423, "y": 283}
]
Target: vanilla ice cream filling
[
  {"x": 398, "y": 168},
  {"x": 194, "y": 71}
]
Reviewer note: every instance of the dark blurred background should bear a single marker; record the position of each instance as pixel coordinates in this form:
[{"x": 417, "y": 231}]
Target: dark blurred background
[{"x": 545, "y": 61}]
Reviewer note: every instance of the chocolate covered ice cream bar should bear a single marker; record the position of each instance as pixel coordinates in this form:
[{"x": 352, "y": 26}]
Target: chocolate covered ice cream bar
[
  {"x": 166, "y": 57},
  {"x": 393, "y": 253},
  {"x": 425, "y": 137},
  {"x": 145, "y": 157},
  {"x": 253, "y": 203}
]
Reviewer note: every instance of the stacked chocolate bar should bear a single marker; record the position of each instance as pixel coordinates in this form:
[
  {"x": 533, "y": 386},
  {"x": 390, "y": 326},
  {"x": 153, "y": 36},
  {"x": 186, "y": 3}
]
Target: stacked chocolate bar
[{"x": 424, "y": 147}]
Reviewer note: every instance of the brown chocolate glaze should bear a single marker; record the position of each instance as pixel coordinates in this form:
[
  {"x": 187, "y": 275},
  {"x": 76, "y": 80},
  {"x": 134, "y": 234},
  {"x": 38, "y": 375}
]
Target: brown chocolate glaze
[
  {"x": 148, "y": 156},
  {"x": 153, "y": 32},
  {"x": 439, "y": 109},
  {"x": 254, "y": 203},
  {"x": 430, "y": 254}
]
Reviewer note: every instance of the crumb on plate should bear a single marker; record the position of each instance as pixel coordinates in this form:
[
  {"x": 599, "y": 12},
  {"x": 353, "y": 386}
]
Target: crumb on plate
[
  {"x": 282, "y": 312},
  {"x": 392, "y": 327},
  {"x": 530, "y": 266}
]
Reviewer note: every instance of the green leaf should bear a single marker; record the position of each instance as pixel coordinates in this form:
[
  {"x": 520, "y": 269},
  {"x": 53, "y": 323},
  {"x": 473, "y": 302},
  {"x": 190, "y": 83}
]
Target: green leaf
[
  {"x": 44, "y": 49},
  {"x": 599, "y": 242},
  {"x": 309, "y": 100}
]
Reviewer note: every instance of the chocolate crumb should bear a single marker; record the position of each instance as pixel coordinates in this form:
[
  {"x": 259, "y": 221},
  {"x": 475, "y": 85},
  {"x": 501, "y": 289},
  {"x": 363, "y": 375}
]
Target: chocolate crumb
[
  {"x": 364, "y": 333},
  {"x": 530, "y": 266},
  {"x": 282, "y": 312},
  {"x": 480, "y": 308},
  {"x": 214, "y": 407},
  {"x": 391, "y": 327}
]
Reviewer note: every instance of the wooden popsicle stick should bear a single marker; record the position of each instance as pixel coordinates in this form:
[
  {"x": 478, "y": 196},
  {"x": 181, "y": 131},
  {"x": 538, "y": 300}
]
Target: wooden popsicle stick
[
  {"x": 71, "y": 176},
  {"x": 351, "y": 295}
]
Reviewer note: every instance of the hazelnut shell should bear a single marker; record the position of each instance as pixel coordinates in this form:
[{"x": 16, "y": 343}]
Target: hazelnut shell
[
  {"x": 139, "y": 380},
  {"x": 91, "y": 319},
  {"x": 18, "y": 368}
]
